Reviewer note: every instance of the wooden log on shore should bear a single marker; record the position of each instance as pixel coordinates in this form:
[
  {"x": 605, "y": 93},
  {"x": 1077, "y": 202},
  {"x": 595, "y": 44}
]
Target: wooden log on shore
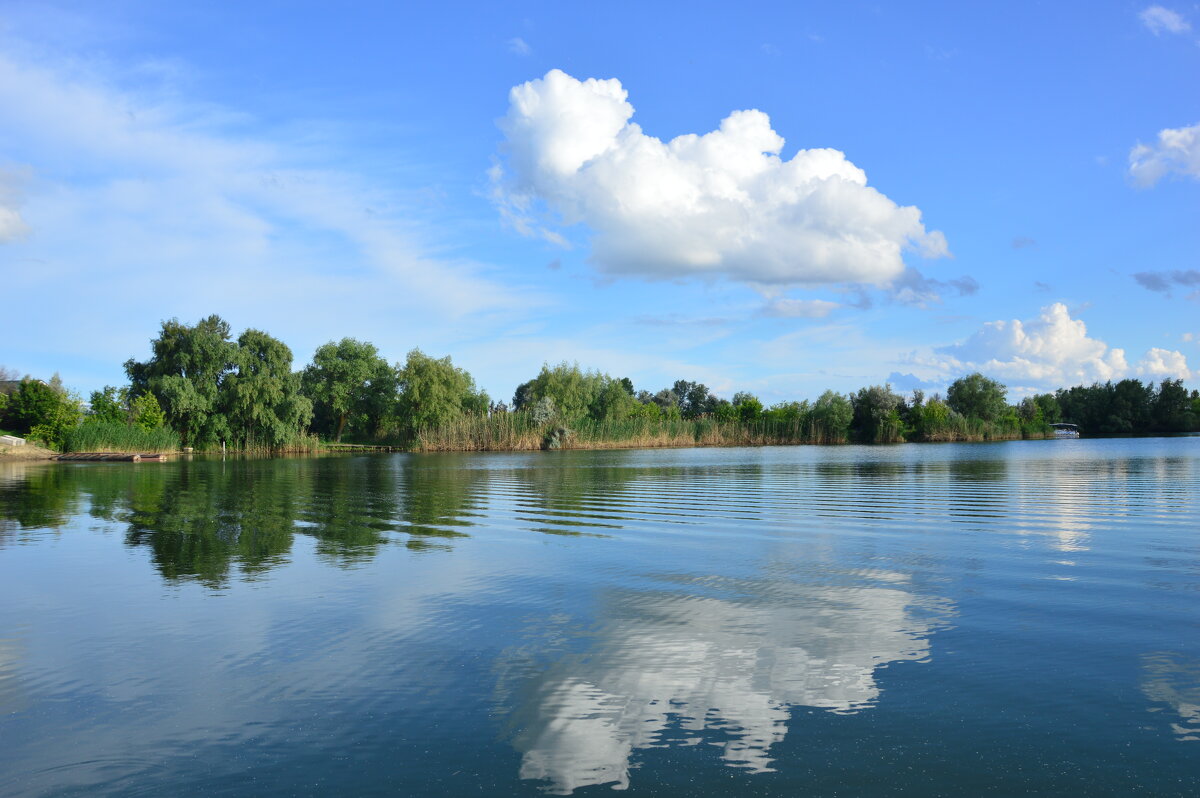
[{"x": 111, "y": 457}]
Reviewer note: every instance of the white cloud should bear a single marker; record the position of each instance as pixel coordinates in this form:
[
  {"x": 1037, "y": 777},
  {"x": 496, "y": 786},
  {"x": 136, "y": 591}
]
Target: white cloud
[
  {"x": 1051, "y": 351},
  {"x": 518, "y": 46},
  {"x": 138, "y": 198},
  {"x": 1163, "y": 363},
  {"x": 799, "y": 308},
  {"x": 1177, "y": 150},
  {"x": 12, "y": 226},
  {"x": 709, "y": 663},
  {"x": 1159, "y": 20},
  {"x": 720, "y": 204}
]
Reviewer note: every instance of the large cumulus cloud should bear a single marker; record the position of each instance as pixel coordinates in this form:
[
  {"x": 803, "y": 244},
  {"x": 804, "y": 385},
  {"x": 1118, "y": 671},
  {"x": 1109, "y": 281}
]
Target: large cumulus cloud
[
  {"x": 720, "y": 204},
  {"x": 1052, "y": 351}
]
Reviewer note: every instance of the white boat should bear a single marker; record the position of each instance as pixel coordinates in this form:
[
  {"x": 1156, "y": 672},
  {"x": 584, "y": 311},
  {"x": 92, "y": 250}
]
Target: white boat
[{"x": 1064, "y": 430}]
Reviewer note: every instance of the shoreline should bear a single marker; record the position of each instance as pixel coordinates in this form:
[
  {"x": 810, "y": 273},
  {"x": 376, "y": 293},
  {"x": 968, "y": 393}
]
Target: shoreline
[{"x": 37, "y": 454}]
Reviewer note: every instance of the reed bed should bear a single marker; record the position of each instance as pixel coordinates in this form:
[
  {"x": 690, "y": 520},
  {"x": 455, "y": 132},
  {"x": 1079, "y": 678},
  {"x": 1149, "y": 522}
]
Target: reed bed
[
  {"x": 101, "y": 436},
  {"x": 518, "y": 432},
  {"x": 962, "y": 429}
]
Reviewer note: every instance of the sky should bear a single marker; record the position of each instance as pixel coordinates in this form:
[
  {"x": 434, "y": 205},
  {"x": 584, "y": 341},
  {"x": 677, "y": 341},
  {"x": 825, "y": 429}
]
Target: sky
[{"x": 774, "y": 198}]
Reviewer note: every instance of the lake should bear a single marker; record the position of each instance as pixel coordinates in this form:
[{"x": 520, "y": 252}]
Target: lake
[{"x": 957, "y": 619}]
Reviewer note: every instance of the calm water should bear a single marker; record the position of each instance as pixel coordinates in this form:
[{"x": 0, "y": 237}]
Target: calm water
[{"x": 1003, "y": 619}]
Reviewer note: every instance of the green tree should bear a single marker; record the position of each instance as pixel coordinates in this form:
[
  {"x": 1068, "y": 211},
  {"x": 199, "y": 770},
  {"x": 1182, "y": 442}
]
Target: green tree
[
  {"x": 433, "y": 392},
  {"x": 831, "y": 416},
  {"x": 147, "y": 413},
  {"x": 572, "y": 391},
  {"x": 1172, "y": 410},
  {"x": 57, "y": 417},
  {"x": 932, "y": 420},
  {"x": 877, "y": 414},
  {"x": 1048, "y": 405},
  {"x": 747, "y": 407},
  {"x": 694, "y": 398},
  {"x": 350, "y": 381},
  {"x": 614, "y": 400},
  {"x": 35, "y": 404},
  {"x": 185, "y": 372},
  {"x": 110, "y": 405},
  {"x": 788, "y": 412},
  {"x": 976, "y": 396},
  {"x": 261, "y": 397}
]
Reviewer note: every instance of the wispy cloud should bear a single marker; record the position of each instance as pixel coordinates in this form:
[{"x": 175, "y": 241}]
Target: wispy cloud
[
  {"x": 152, "y": 205},
  {"x": 799, "y": 308},
  {"x": 518, "y": 46},
  {"x": 1159, "y": 20}
]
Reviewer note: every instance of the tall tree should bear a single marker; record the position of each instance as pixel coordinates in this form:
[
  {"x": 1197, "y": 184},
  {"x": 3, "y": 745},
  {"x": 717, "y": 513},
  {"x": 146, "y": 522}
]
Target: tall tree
[
  {"x": 262, "y": 397},
  {"x": 433, "y": 392},
  {"x": 613, "y": 400},
  {"x": 36, "y": 407},
  {"x": 830, "y": 417},
  {"x": 185, "y": 372},
  {"x": 976, "y": 396},
  {"x": 1173, "y": 407},
  {"x": 110, "y": 405},
  {"x": 694, "y": 398},
  {"x": 877, "y": 414},
  {"x": 349, "y": 380},
  {"x": 572, "y": 390}
]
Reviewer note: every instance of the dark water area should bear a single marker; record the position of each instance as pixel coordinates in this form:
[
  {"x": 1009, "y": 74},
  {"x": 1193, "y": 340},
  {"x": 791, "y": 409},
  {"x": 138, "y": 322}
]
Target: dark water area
[{"x": 983, "y": 619}]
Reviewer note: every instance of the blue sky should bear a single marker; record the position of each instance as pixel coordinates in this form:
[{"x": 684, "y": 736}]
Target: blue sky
[{"x": 893, "y": 192}]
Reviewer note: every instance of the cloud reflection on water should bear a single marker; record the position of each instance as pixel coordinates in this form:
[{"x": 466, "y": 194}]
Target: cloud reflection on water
[{"x": 725, "y": 668}]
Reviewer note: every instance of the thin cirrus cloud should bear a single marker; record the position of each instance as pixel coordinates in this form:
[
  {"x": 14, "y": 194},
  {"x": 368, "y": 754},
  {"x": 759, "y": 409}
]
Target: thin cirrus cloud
[
  {"x": 721, "y": 204},
  {"x": 1159, "y": 20},
  {"x": 1051, "y": 351},
  {"x": 799, "y": 308},
  {"x": 140, "y": 198},
  {"x": 1177, "y": 151}
]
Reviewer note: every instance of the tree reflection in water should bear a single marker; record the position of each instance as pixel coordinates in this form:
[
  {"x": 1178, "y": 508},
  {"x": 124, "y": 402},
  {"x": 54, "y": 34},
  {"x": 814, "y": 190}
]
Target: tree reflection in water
[{"x": 207, "y": 520}]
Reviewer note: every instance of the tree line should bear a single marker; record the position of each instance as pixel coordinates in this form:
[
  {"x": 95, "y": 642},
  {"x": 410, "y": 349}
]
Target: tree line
[{"x": 203, "y": 388}]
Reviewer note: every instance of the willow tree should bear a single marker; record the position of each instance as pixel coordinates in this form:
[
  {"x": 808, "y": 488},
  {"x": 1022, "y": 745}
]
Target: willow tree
[
  {"x": 349, "y": 382},
  {"x": 185, "y": 372},
  {"x": 574, "y": 392},
  {"x": 433, "y": 392},
  {"x": 262, "y": 397}
]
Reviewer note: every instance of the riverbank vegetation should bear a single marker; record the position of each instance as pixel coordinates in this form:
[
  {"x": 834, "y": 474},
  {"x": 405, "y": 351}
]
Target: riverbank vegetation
[{"x": 203, "y": 389}]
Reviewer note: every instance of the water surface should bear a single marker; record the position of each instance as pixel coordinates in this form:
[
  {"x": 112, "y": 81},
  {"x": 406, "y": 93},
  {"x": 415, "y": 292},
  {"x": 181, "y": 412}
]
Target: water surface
[{"x": 1016, "y": 618}]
